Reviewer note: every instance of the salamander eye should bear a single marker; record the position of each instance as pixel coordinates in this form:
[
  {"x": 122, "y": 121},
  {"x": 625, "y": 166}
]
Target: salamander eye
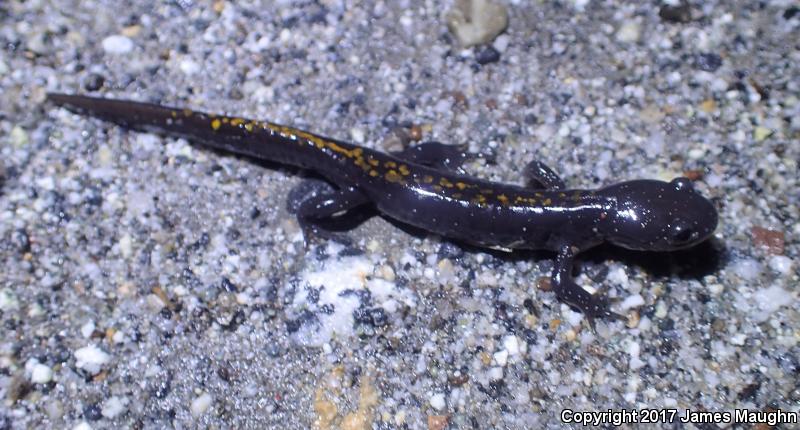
[
  {"x": 682, "y": 184},
  {"x": 681, "y": 232}
]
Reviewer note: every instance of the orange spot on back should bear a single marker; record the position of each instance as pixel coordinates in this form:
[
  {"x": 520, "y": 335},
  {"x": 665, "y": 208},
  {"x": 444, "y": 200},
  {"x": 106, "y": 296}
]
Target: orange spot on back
[{"x": 393, "y": 177}]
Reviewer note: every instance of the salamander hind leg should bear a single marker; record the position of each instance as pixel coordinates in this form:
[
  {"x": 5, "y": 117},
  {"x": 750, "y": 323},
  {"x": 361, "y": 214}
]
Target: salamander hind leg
[
  {"x": 591, "y": 305},
  {"x": 539, "y": 176},
  {"x": 315, "y": 210},
  {"x": 437, "y": 155}
]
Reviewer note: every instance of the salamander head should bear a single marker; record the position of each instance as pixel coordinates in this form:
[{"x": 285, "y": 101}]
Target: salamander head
[{"x": 650, "y": 215}]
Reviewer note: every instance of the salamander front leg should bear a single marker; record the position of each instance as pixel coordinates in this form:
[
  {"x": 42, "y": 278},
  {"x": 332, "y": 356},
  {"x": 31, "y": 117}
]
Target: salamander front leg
[
  {"x": 539, "y": 176},
  {"x": 437, "y": 155},
  {"x": 319, "y": 207},
  {"x": 591, "y": 305}
]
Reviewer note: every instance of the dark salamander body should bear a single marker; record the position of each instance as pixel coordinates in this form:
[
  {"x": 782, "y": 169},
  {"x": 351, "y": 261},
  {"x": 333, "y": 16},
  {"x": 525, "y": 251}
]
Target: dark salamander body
[{"x": 422, "y": 187}]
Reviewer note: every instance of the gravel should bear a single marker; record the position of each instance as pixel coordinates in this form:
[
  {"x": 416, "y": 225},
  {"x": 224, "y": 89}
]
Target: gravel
[{"x": 149, "y": 283}]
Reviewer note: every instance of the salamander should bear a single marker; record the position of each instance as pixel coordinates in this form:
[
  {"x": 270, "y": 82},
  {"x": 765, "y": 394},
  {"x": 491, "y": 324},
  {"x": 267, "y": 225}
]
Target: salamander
[{"x": 422, "y": 186}]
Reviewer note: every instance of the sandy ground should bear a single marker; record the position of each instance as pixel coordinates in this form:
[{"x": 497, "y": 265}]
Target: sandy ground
[{"x": 149, "y": 283}]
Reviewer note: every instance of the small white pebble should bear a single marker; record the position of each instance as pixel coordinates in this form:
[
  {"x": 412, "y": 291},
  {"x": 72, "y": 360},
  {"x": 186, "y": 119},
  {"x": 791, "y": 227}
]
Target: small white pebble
[
  {"x": 571, "y": 317},
  {"x": 437, "y": 401},
  {"x": 87, "y": 329},
  {"x": 118, "y": 337},
  {"x": 126, "y": 245},
  {"x": 781, "y": 264},
  {"x": 632, "y": 301},
  {"x": 114, "y": 406},
  {"x": 501, "y": 357},
  {"x": 8, "y": 300},
  {"x": 669, "y": 402},
  {"x": 629, "y": 32},
  {"x": 511, "y": 344},
  {"x": 91, "y": 358},
  {"x": 738, "y": 339},
  {"x": 117, "y": 44},
  {"x": 18, "y": 136},
  {"x": 201, "y": 404},
  {"x": 580, "y": 5},
  {"x": 189, "y": 67},
  {"x": 773, "y": 298},
  {"x": 634, "y": 349},
  {"x": 716, "y": 288},
  {"x": 83, "y": 425},
  {"x": 617, "y": 276},
  {"x": 636, "y": 363},
  {"x": 747, "y": 268},
  {"x": 501, "y": 43},
  {"x": 357, "y": 135},
  {"x": 496, "y": 373},
  {"x": 697, "y": 153},
  {"x": 661, "y": 310},
  {"x": 41, "y": 374}
]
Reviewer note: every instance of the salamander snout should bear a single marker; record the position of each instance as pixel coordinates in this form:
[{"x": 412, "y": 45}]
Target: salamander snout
[{"x": 657, "y": 216}]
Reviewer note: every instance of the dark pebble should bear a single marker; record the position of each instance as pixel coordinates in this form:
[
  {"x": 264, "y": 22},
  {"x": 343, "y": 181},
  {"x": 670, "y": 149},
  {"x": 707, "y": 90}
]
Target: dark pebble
[
  {"x": 378, "y": 317},
  {"x": 791, "y": 12},
  {"x": 163, "y": 387},
  {"x": 228, "y": 286},
  {"x": 293, "y": 325},
  {"x": 94, "y": 82},
  {"x": 274, "y": 350},
  {"x": 92, "y": 412},
  {"x": 362, "y": 316},
  {"x": 681, "y": 13},
  {"x": 450, "y": 250},
  {"x": 708, "y": 62},
  {"x": 487, "y": 55},
  {"x": 21, "y": 241}
]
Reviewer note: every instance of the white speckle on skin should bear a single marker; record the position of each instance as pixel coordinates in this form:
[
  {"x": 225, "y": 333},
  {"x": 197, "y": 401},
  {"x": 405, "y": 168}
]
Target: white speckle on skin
[{"x": 117, "y": 44}]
